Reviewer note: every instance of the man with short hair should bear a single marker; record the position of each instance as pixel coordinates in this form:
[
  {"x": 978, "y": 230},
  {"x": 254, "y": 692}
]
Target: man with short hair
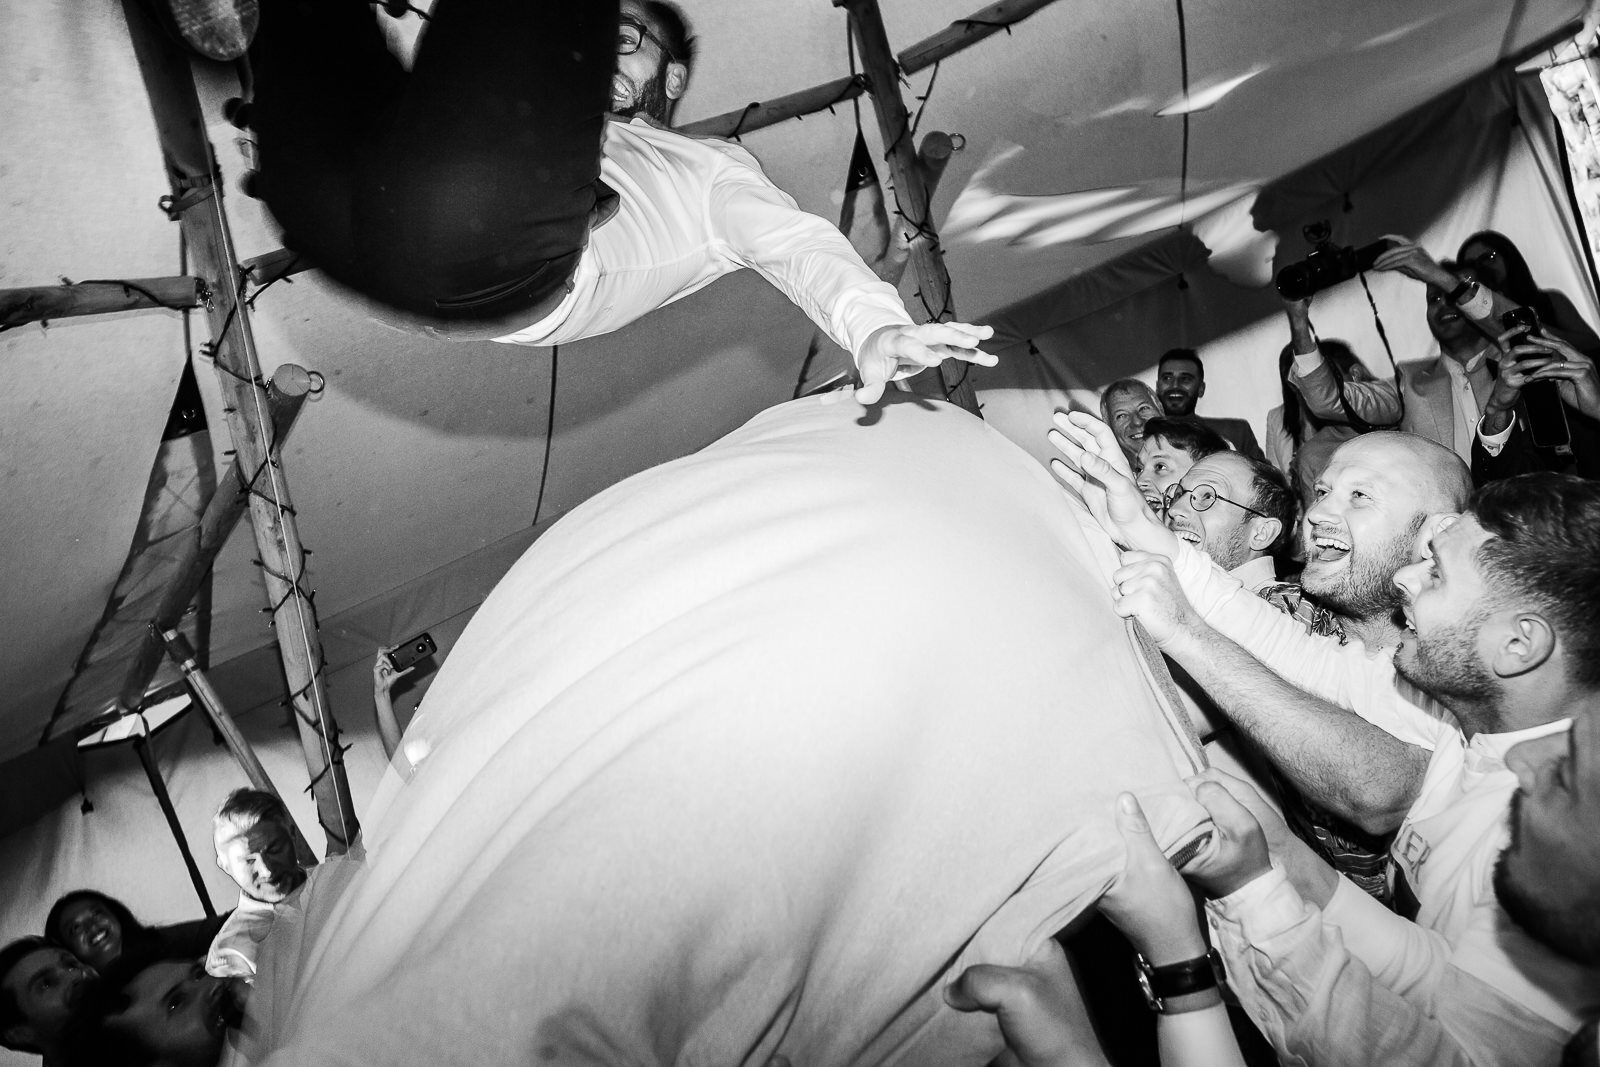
[
  {"x": 1236, "y": 510},
  {"x": 518, "y": 183},
  {"x": 1181, "y": 382},
  {"x": 1503, "y": 621},
  {"x": 42, "y": 985},
  {"x": 254, "y": 838},
  {"x": 1125, "y": 406},
  {"x": 1170, "y": 447},
  {"x": 1369, "y": 503}
]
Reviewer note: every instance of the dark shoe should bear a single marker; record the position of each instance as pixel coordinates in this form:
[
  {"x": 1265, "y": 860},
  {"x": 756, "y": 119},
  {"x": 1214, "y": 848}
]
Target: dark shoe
[{"x": 217, "y": 29}]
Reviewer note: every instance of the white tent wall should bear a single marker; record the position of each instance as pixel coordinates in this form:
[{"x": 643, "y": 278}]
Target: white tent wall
[{"x": 1482, "y": 158}]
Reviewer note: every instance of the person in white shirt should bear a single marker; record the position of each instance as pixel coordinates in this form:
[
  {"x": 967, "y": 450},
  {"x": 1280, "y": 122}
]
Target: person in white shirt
[
  {"x": 518, "y": 183},
  {"x": 253, "y": 834},
  {"x": 1502, "y": 627}
]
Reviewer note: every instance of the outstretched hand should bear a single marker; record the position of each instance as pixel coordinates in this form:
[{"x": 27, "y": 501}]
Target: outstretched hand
[
  {"x": 1095, "y": 468},
  {"x": 890, "y": 350},
  {"x": 1407, "y": 257},
  {"x": 1038, "y": 1006}
]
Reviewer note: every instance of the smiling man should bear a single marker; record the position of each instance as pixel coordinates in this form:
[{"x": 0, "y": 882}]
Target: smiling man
[
  {"x": 1170, "y": 447},
  {"x": 1181, "y": 382},
  {"x": 1503, "y": 623},
  {"x": 253, "y": 834},
  {"x": 1126, "y": 405},
  {"x": 1362, "y": 525},
  {"x": 519, "y": 184},
  {"x": 1236, "y": 511}
]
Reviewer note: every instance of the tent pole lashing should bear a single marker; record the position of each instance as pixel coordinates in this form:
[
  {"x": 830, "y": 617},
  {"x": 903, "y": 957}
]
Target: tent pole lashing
[
  {"x": 205, "y": 695},
  {"x": 141, "y": 745},
  {"x": 180, "y": 125},
  {"x": 911, "y": 194}
]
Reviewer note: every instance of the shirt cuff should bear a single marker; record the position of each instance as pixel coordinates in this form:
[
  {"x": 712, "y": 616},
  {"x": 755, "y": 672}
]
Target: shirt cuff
[
  {"x": 1307, "y": 362},
  {"x": 1263, "y": 908},
  {"x": 1496, "y": 442}
]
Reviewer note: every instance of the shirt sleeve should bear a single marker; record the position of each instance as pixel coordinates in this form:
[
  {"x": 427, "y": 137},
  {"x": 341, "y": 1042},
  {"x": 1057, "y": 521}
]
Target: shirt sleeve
[
  {"x": 1495, "y": 443},
  {"x": 1343, "y": 674},
  {"x": 804, "y": 256},
  {"x": 1376, "y": 402},
  {"x": 1321, "y": 1005}
]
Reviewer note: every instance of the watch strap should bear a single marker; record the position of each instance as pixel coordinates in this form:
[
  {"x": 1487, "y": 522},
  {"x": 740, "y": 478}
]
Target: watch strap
[
  {"x": 1462, "y": 291},
  {"x": 1178, "y": 979}
]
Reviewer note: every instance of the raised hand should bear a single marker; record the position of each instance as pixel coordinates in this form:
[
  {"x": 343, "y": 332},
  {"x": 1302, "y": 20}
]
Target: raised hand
[
  {"x": 1148, "y": 901},
  {"x": 893, "y": 349},
  {"x": 1093, "y": 466}
]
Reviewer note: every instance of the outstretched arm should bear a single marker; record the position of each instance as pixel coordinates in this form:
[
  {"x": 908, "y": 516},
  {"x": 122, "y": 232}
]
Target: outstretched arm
[
  {"x": 815, "y": 266},
  {"x": 1334, "y": 756},
  {"x": 383, "y": 678}
]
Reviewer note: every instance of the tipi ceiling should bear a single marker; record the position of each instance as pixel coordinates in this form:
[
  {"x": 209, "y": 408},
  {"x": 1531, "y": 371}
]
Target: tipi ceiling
[{"x": 418, "y": 453}]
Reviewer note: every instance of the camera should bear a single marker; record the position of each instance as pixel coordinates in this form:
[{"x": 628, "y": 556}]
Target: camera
[
  {"x": 406, "y": 653},
  {"x": 1328, "y": 264}
]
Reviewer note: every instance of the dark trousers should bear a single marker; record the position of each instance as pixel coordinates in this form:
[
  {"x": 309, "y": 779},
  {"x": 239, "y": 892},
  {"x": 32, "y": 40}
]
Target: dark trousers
[{"x": 458, "y": 193}]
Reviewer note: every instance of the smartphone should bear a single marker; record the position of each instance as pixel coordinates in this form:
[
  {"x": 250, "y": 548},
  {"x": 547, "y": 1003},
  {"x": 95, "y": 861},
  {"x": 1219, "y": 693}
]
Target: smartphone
[
  {"x": 1541, "y": 401},
  {"x": 413, "y": 651}
]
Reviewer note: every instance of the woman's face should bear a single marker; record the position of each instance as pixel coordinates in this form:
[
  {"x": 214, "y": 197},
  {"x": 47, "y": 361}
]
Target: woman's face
[
  {"x": 1490, "y": 264},
  {"x": 91, "y": 933}
]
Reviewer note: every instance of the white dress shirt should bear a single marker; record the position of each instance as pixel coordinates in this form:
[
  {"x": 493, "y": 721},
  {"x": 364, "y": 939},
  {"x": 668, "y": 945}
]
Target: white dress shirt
[
  {"x": 1455, "y": 829},
  {"x": 691, "y": 210}
]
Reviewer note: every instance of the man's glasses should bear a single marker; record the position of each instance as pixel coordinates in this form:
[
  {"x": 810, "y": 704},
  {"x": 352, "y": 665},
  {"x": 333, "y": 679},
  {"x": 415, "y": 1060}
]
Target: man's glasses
[
  {"x": 1201, "y": 497},
  {"x": 632, "y": 35}
]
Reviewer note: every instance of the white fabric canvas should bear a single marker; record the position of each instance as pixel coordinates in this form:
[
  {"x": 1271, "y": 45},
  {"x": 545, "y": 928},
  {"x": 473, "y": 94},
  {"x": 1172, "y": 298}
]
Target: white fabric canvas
[{"x": 749, "y": 756}]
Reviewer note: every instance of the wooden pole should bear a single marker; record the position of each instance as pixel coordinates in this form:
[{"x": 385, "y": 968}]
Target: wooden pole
[
  {"x": 762, "y": 114},
  {"x": 964, "y": 33},
  {"x": 180, "y": 292},
  {"x": 141, "y": 745},
  {"x": 43, "y": 302},
  {"x": 196, "y": 184},
  {"x": 911, "y": 200},
  {"x": 286, "y": 397},
  {"x": 207, "y": 697}
]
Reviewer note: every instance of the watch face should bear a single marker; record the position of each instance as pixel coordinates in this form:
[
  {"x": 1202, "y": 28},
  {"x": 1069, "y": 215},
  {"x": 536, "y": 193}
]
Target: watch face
[{"x": 1143, "y": 976}]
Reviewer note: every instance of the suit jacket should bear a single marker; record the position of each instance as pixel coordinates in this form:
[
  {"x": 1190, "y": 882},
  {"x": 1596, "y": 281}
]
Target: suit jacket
[
  {"x": 1424, "y": 386},
  {"x": 1236, "y": 432}
]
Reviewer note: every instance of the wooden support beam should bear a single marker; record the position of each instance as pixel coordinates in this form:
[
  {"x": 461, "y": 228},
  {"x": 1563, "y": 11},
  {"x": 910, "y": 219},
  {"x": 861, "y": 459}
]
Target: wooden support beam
[
  {"x": 177, "y": 293},
  {"x": 287, "y": 394},
  {"x": 911, "y": 198},
  {"x": 210, "y": 702},
  {"x": 959, "y": 35},
  {"x": 43, "y": 302},
  {"x": 158, "y": 786},
  {"x": 964, "y": 33},
  {"x": 169, "y": 80},
  {"x": 762, "y": 114}
]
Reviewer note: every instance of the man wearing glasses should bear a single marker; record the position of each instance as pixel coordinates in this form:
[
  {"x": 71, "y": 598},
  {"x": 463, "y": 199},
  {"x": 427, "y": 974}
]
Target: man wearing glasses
[
  {"x": 1237, "y": 511},
  {"x": 519, "y": 183}
]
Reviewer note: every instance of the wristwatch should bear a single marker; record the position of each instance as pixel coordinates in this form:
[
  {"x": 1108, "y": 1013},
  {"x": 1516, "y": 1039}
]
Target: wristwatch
[
  {"x": 1171, "y": 980},
  {"x": 1462, "y": 291}
]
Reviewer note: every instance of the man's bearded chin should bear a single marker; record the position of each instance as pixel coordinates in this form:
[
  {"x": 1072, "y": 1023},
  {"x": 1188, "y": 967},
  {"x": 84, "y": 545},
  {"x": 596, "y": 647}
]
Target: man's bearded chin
[{"x": 652, "y": 99}]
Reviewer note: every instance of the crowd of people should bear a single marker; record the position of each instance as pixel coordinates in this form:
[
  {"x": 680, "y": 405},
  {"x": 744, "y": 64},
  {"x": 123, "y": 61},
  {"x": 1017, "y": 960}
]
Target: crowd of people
[
  {"x": 1385, "y": 623},
  {"x": 98, "y": 987}
]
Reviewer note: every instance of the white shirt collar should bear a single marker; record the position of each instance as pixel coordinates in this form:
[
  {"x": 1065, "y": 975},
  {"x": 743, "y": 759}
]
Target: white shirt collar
[
  {"x": 1497, "y": 745},
  {"x": 1255, "y": 574}
]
